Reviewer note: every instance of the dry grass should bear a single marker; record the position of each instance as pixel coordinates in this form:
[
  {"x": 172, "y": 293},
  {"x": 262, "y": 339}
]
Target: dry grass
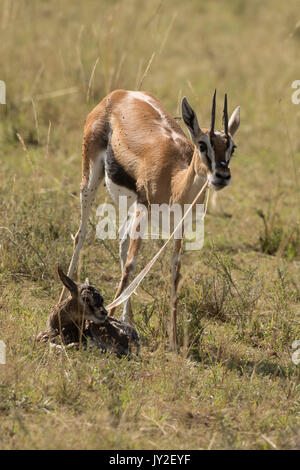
[{"x": 234, "y": 384}]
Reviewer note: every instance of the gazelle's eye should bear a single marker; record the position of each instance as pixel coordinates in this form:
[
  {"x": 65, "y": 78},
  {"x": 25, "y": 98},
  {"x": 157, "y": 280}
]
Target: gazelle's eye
[
  {"x": 203, "y": 147},
  {"x": 233, "y": 149}
]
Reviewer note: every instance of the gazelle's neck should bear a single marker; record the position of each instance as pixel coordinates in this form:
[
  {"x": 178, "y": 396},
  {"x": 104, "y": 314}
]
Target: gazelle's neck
[
  {"x": 187, "y": 183},
  {"x": 61, "y": 315}
]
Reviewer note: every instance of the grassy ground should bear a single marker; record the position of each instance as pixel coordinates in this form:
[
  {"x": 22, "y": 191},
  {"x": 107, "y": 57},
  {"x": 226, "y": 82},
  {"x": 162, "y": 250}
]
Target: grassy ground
[{"x": 234, "y": 384}]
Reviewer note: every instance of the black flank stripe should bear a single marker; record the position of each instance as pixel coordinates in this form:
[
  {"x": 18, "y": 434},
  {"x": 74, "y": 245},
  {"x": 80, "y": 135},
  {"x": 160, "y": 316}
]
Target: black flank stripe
[{"x": 116, "y": 172}]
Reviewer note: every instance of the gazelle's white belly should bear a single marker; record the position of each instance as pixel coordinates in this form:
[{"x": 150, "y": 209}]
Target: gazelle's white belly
[{"x": 116, "y": 191}]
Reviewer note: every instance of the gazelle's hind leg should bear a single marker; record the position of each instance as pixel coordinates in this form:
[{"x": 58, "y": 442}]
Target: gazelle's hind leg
[
  {"x": 88, "y": 190},
  {"x": 175, "y": 272}
]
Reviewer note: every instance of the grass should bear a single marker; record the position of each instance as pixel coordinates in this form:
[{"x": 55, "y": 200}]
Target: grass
[
  {"x": 233, "y": 385},
  {"x": 278, "y": 238}
]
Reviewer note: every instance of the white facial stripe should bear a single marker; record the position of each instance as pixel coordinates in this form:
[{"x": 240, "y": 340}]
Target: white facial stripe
[{"x": 229, "y": 150}]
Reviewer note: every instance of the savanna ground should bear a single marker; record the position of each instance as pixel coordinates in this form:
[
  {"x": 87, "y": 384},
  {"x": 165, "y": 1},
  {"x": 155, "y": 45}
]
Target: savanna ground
[{"x": 234, "y": 384}]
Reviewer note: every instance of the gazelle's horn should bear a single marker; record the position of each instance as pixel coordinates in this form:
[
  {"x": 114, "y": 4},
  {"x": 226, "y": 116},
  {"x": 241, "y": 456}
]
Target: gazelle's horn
[
  {"x": 225, "y": 115},
  {"x": 213, "y": 114}
]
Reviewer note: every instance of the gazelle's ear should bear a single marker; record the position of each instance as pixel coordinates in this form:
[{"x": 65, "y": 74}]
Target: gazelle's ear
[
  {"x": 67, "y": 281},
  {"x": 87, "y": 281},
  {"x": 234, "y": 121},
  {"x": 190, "y": 119}
]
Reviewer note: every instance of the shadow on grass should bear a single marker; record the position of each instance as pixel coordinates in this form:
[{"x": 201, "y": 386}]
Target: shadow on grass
[
  {"x": 264, "y": 367},
  {"x": 244, "y": 367}
]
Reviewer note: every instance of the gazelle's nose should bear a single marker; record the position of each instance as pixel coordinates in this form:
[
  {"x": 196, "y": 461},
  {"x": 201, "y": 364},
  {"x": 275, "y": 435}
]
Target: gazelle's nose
[
  {"x": 223, "y": 175},
  {"x": 222, "y": 164},
  {"x": 104, "y": 311},
  {"x": 222, "y": 171},
  {"x": 100, "y": 316}
]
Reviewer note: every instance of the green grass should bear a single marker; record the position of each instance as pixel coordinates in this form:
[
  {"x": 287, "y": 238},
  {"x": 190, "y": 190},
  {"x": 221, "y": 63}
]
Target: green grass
[{"x": 233, "y": 385}]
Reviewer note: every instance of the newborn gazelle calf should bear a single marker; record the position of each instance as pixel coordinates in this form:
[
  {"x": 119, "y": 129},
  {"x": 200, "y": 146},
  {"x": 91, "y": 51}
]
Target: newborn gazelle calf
[
  {"x": 69, "y": 316},
  {"x": 82, "y": 317}
]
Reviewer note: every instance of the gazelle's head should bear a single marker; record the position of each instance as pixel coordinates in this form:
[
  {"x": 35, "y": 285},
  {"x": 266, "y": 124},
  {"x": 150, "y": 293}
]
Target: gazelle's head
[
  {"x": 215, "y": 147},
  {"x": 87, "y": 302}
]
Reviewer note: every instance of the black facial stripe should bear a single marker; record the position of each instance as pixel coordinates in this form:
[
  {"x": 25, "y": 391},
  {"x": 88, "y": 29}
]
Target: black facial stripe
[
  {"x": 202, "y": 147},
  {"x": 116, "y": 172},
  {"x": 209, "y": 161}
]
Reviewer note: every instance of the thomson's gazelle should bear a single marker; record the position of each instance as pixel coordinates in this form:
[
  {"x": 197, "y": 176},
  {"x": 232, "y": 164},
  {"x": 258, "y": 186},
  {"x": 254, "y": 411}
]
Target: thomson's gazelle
[{"x": 143, "y": 153}]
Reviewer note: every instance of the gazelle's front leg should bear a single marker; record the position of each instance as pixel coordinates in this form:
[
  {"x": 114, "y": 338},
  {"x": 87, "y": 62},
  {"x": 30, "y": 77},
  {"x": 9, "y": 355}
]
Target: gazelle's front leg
[
  {"x": 175, "y": 273},
  {"x": 134, "y": 246},
  {"x": 126, "y": 274},
  {"x": 124, "y": 247}
]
